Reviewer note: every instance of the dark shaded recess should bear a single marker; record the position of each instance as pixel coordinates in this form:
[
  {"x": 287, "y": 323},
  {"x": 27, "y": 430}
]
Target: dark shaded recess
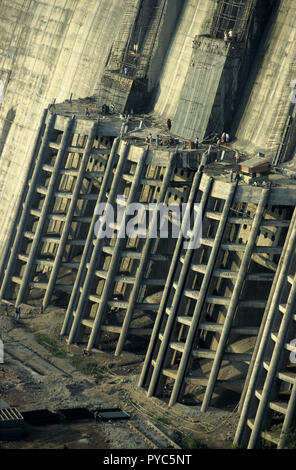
[
  {"x": 151, "y": 98},
  {"x": 266, "y": 12},
  {"x": 139, "y": 97},
  {"x": 75, "y": 414},
  {"x": 12, "y": 434},
  {"x": 6, "y": 128},
  {"x": 111, "y": 414},
  {"x": 41, "y": 417}
]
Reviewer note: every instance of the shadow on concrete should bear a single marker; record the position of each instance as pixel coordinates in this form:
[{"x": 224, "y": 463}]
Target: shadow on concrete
[
  {"x": 259, "y": 52},
  {"x": 6, "y": 128}
]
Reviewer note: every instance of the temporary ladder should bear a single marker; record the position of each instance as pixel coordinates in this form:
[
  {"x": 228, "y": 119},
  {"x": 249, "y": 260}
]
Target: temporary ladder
[
  {"x": 59, "y": 195},
  {"x": 269, "y": 408},
  {"x": 116, "y": 273},
  {"x": 207, "y": 299}
]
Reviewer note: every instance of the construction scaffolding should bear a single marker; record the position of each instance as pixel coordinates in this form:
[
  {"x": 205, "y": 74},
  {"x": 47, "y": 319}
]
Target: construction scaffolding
[
  {"x": 233, "y": 15},
  {"x": 134, "y": 44}
]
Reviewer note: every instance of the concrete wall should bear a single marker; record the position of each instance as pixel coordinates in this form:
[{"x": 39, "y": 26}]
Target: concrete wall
[
  {"x": 49, "y": 49},
  {"x": 195, "y": 18},
  {"x": 200, "y": 89},
  {"x": 167, "y": 27},
  {"x": 266, "y": 102}
]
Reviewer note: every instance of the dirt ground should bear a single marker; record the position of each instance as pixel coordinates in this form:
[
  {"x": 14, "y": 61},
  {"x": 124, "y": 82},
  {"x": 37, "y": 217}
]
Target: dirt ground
[{"x": 41, "y": 371}]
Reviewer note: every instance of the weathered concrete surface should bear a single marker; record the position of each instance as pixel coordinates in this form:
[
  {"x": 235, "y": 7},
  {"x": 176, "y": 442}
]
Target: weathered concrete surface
[
  {"x": 266, "y": 104},
  {"x": 196, "y": 18},
  {"x": 200, "y": 89},
  {"x": 49, "y": 49},
  {"x": 57, "y": 47}
]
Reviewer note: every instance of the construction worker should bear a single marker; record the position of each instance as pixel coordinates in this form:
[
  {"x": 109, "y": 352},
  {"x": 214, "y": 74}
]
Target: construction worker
[
  {"x": 17, "y": 313},
  {"x": 169, "y": 124},
  {"x": 196, "y": 143},
  {"x": 237, "y": 158},
  {"x": 125, "y": 70}
]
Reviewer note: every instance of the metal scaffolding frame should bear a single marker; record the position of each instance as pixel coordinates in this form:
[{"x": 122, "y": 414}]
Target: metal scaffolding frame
[{"x": 233, "y": 15}]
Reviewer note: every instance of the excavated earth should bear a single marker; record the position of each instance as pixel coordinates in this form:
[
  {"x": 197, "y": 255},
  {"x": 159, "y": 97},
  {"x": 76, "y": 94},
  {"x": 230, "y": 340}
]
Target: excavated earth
[{"x": 41, "y": 371}]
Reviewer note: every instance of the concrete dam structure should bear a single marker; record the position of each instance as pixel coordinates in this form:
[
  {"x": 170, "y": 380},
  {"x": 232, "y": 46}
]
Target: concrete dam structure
[{"x": 163, "y": 102}]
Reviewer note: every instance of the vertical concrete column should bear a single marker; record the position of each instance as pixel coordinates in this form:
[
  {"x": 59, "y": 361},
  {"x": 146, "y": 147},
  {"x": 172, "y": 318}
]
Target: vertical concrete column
[
  {"x": 90, "y": 237},
  {"x": 168, "y": 286},
  {"x": 69, "y": 216},
  {"x": 96, "y": 252},
  {"x": 274, "y": 363},
  {"x": 44, "y": 211},
  {"x": 263, "y": 322},
  {"x": 235, "y": 298},
  {"x": 202, "y": 297},
  {"x": 174, "y": 306},
  {"x": 32, "y": 166},
  {"x": 143, "y": 262},
  {"x": 289, "y": 418},
  {"x": 274, "y": 306},
  {"x": 116, "y": 254},
  {"x": 27, "y": 205}
]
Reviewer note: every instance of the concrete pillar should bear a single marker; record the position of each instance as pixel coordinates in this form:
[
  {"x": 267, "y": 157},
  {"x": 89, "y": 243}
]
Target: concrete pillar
[
  {"x": 202, "y": 297},
  {"x": 106, "y": 183},
  {"x": 167, "y": 288},
  {"x": 284, "y": 268},
  {"x": 27, "y": 205},
  {"x": 234, "y": 299},
  {"x": 115, "y": 256},
  {"x": 32, "y": 166},
  {"x": 44, "y": 212},
  {"x": 143, "y": 263},
  {"x": 68, "y": 221},
  {"x": 84, "y": 284},
  {"x": 273, "y": 368}
]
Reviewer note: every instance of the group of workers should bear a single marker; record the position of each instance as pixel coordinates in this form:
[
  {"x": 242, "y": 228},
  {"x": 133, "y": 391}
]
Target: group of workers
[{"x": 224, "y": 139}]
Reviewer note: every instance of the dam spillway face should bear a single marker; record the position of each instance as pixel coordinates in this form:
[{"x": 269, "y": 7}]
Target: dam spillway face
[{"x": 214, "y": 320}]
